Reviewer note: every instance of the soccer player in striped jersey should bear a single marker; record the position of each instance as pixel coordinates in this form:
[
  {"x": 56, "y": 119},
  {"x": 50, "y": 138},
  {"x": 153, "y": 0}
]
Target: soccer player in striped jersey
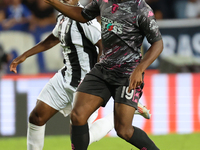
[{"x": 79, "y": 42}]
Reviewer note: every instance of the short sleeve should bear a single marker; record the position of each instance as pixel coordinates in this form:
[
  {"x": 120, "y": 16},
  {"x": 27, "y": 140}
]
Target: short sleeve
[
  {"x": 148, "y": 25},
  {"x": 91, "y": 10}
]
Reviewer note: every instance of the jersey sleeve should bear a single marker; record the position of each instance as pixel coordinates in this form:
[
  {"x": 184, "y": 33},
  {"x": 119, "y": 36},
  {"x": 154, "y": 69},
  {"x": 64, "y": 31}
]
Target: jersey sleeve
[
  {"x": 148, "y": 25},
  {"x": 92, "y": 30},
  {"x": 55, "y": 30},
  {"x": 91, "y": 10}
]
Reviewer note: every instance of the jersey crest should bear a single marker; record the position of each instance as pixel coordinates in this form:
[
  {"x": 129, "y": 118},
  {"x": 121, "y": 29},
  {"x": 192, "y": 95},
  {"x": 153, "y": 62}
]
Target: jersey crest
[{"x": 114, "y": 8}]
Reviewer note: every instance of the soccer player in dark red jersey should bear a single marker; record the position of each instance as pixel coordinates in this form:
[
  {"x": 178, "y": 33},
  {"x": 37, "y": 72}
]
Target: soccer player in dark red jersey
[{"x": 124, "y": 24}]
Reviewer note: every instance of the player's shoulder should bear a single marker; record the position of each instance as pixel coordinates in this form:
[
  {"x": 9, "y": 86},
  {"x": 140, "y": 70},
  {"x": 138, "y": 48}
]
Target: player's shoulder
[
  {"x": 59, "y": 16},
  {"x": 92, "y": 24},
  {"x": 144, "y": 8}
]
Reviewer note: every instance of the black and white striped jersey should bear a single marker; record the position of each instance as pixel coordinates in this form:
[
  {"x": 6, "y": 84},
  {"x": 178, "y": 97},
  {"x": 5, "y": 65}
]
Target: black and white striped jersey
[{"x": 78, "y": 42}]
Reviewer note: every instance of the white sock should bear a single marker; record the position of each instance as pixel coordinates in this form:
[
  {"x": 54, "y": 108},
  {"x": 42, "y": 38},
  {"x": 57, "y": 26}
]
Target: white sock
[
  {"x": 35, "y": 137},
  {"x": 101, "y": 128}
]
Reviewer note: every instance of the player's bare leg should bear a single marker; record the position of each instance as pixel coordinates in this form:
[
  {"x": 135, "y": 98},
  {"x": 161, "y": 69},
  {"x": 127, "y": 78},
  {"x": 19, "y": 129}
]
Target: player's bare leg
[
  {"x": 36, "y": 126},
  {"x": 123, "y": 117},
  {"x": 84, "y": 106},
  {"x": 101, "y": 127}
]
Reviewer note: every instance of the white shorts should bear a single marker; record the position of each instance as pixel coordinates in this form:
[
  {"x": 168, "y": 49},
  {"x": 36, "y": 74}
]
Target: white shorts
[{"x": 59, "y": 94}]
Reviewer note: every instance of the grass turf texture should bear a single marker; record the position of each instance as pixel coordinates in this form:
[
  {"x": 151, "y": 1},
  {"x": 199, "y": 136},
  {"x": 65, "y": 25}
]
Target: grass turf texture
[{"x": 164, "y": 142}]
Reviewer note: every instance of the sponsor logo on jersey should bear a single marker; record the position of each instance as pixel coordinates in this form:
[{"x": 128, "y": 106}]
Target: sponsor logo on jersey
[{"x": 110, "y": 25}]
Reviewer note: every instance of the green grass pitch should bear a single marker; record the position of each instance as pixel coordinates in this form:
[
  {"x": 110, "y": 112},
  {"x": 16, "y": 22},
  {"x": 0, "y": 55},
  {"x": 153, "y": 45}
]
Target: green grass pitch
[{"x": 164, "y": 142}]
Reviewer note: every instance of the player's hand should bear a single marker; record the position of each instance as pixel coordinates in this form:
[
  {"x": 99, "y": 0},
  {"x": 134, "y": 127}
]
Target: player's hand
[
  {"x": 16, "y": 62},
  {"x": 135, "y": 80}
]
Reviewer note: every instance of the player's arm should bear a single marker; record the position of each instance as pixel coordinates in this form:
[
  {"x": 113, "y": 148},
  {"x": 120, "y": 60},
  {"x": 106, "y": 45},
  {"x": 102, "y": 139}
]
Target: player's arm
[
  {"x": 44, "y": 45},
  {"x": 153, "y": 52},
  {"x": 150, "y": 29},
  {"x": 150, "y": 56},
  {"x": 71, "y": 11}
]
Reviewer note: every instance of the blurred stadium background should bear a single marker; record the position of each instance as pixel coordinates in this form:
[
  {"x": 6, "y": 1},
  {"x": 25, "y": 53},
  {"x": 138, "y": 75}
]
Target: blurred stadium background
[{"x": 172, "y": 82}]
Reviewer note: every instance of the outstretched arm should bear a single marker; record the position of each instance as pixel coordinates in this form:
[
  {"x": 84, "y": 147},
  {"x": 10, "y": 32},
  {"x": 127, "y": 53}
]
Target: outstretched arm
[
  {"x": 48, "y": 43},
  {"x": 71, "y": 11}
]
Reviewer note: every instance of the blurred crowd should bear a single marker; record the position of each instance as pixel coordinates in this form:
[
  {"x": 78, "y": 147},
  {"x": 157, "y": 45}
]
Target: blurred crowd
[
  {"x": 26, "y": 14},
  {"x": 30, "y": 14},
  {"x": 175, "y": 9},
  {"x": 5, "y": 58}
]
